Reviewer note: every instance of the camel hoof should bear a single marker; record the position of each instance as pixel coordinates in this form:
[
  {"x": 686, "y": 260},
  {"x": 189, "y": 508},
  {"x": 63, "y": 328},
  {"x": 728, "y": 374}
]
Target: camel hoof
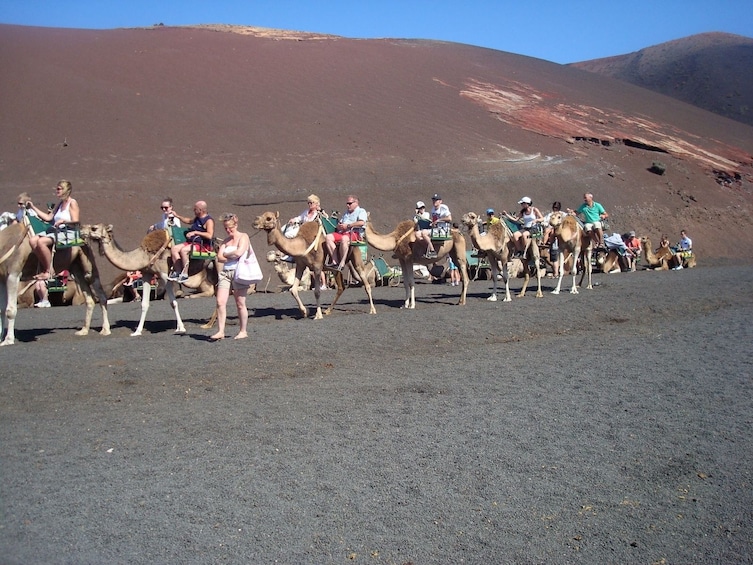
[
  {"x": 6, "y": 342},
  {"x": 82, "y": 331},
  {"x": 539, "y": 294},
  {"x": 104, "y": 331},
  {"x": 574, "y": 291},
  {"x": 180, "y": 331},
  {"x": 555, "y": 291},
  {"x": 135, "y": 334},
  {"x": 492, "y": 298}
]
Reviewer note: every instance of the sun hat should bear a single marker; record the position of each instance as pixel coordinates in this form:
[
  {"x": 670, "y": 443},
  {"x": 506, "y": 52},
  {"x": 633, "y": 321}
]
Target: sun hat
[
  {"x": 525, "y": 200},
  {"x": 436, "y": 197},
  {"x": 490, "y": 211},
  {"x": 420, "y": 204}
]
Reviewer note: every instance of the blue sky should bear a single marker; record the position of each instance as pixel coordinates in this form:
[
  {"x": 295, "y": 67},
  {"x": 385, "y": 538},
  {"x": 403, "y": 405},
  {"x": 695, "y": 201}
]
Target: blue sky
[{"x": 563, "y": 31}]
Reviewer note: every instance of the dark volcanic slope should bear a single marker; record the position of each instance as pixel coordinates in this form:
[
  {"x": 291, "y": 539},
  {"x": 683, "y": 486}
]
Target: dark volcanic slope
[
  {"x": 255, "y": 119},
  {"x": 709, "y": 70}
]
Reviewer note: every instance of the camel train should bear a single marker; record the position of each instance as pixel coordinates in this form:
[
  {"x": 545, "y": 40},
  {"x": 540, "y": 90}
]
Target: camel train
[{"x": 18, "y": 263}]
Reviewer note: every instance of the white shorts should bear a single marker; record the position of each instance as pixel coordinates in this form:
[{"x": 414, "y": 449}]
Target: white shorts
[{"x": 590, "y": 227}]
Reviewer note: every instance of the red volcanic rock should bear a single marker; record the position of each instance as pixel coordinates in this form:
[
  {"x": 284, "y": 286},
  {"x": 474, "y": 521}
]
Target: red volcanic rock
[{"x": 258, "y": 119}]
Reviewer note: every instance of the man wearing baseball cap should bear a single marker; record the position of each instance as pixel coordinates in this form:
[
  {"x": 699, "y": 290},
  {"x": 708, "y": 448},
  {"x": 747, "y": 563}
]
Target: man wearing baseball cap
[{"x": 441, "y": 220}]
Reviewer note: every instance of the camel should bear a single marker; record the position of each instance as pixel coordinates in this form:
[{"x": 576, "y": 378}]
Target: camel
[
  {"x": 16, "y": 259},
  {"x": 663, "y": 258},
  {"x": 307, "y": 250},
  {"x": 572, "y": 240},
  {"x": 498, "y": 246},
  {"x": 402, "y": 241},
  {"x": 14, "y": 254},
  {"x": 286, "y": 270},
  {"x": 151, "y": 258}
]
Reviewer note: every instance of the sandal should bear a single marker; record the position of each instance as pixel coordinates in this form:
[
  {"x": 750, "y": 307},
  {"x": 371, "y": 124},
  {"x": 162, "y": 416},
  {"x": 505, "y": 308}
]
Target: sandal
[{"x": 42, "y": 276}]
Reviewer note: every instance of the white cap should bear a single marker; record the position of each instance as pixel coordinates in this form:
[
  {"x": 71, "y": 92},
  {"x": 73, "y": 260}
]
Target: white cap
[
  {"x": 420, "y": 204},
  {"x": 525, "y": 200}
]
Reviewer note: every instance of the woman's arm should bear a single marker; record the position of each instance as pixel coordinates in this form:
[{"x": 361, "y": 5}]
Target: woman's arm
[{"x": 43, "y": 214}]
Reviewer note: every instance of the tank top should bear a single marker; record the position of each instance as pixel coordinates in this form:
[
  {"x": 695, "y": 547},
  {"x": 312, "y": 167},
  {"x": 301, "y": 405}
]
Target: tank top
[
  {"x": 63, "y": 214},
  {"x": 233, "y": 263},
  {"x": 528, "y": 219}
]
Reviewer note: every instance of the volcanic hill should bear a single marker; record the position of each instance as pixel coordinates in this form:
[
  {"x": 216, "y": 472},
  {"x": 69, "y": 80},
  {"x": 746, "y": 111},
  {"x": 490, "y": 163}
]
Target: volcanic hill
[{"x": 252, "y": 119}]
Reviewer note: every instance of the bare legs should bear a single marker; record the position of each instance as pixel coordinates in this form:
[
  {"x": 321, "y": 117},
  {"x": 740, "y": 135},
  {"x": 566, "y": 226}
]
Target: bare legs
[{"x": 240, "y": 303}]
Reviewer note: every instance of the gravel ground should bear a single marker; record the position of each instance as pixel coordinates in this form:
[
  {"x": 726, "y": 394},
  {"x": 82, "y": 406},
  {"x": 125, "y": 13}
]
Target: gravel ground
[{"x": 613, "y": 426}]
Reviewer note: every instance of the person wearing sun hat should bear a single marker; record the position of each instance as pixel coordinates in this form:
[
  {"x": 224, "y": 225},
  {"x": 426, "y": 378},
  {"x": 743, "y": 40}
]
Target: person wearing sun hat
[
  {"x": 526, "y": 222},
  {"x": 422, "y": 218},
  {"x": 441, "y": 219}
]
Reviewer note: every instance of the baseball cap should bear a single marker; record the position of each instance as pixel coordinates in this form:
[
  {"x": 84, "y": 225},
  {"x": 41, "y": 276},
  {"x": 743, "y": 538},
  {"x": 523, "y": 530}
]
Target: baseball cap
[
  {"x": 525, "y": 200},
  {"x": 490, "y": 211},
  {"x": 632, "y": 234},
  {"x": 436, "y": 197},
  {"x": 420, "y": 204}
]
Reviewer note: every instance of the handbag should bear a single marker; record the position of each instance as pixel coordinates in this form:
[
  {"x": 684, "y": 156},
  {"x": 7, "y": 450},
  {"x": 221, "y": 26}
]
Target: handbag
[{"x": 248, "y": 270}]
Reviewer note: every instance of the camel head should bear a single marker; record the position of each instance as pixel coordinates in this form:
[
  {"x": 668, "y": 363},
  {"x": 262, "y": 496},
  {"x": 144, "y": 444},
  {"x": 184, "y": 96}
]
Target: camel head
[
  {"x": 267, "y": 221},
  {"x": 556, "y": 219},
  {"x": 470, "y": 219},
  {"x": 97, "y": 232}
]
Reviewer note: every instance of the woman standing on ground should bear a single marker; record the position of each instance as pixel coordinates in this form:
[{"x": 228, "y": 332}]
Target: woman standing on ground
[{"x": 231, "y": 250}]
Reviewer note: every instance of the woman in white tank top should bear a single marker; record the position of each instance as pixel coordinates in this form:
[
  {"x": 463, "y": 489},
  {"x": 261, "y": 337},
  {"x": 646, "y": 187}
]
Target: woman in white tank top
[{"x": 66, "y": 212}]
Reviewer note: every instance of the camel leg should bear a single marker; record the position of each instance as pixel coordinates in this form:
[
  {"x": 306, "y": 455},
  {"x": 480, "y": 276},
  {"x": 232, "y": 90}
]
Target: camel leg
[
  {"x": 96, "y": 287},
  {"x": 294, "y": 291},
  {"x": 408, "y": 283},
  {"x": 574, "y": 270},
  {"x": 170, "y": 291},
  {"x": 561, "y": 265},
  {"x": 147, "y": 294},
  {"x": 210, "y": 324},
  {"x": 340, "y": 284},
  {"x": 494, "y": 267},
  {"x": 358, "y": 266},
  {"x": 464, "y": 278},
  {"x": 537, "y": 261},
  {"x": 9, "y": 306},
  {"x": 588, "y": 268}
]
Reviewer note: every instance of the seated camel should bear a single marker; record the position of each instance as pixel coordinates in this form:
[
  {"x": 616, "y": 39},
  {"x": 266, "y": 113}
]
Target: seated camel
[
  {"x": 307, "y": 249},
  {"x": 17, "y": 262},
  {"x": 151, "y": 258},
  {"x": 402, "y": 242},
  {"x": 572, "y": 241},
  {"x": 663, "y": 258}
]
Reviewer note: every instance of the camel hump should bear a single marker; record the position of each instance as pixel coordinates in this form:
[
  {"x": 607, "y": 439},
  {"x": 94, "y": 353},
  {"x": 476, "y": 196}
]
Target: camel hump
[
  {"x": 154, "y": 241},
  {"x": 308, "y": 231}
]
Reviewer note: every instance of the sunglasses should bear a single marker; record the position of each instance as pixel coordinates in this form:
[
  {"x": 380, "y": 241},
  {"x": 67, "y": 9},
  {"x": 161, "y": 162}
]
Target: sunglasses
[
  {"x": 349, "y": 203},
  {"x": 21, "y": 204},
  {"x": 165, "y": 207}
]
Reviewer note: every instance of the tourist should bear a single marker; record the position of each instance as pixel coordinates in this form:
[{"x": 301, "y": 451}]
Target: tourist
[
  {"x": 633, "y": 245},
  {"x": 684, "y": 250},
  {"x": 310, "y": 214},
  {"x": 441, "y": 221},
  {"x": 234, "y": 246},
  {"x": 200, "y": 234},
  {"x": 66, "y": 211},
  {"x": 350, "y": 227},
  {"x": 168, "y": 219},
  {"x": 529, "y": 219},
  {"x": 593, "y": 214}
]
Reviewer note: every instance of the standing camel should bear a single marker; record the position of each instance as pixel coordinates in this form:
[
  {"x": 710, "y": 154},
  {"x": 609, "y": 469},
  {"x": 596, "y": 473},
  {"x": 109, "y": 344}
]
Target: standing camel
[
  {"x": 402, "y": 241},
  {"x": 16, "y": 259},
  {"x": 307, "y": 250},
  {"x": 572, "y": 241},
  {"x": 498, "y": 246},
  {"x": 14, "y": 254},
  {"x": 151, "y": 258}
]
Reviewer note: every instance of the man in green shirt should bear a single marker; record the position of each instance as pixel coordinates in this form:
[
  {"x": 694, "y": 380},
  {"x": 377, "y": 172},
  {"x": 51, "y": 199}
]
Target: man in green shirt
[{"x": 593, "y": 213}]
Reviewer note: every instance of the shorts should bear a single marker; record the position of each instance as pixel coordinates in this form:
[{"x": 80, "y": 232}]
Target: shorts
[
  {"x": 591, "y": 226},
  {"x": 351, "y": 234},
  {"x": 226, "y": 280}
]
